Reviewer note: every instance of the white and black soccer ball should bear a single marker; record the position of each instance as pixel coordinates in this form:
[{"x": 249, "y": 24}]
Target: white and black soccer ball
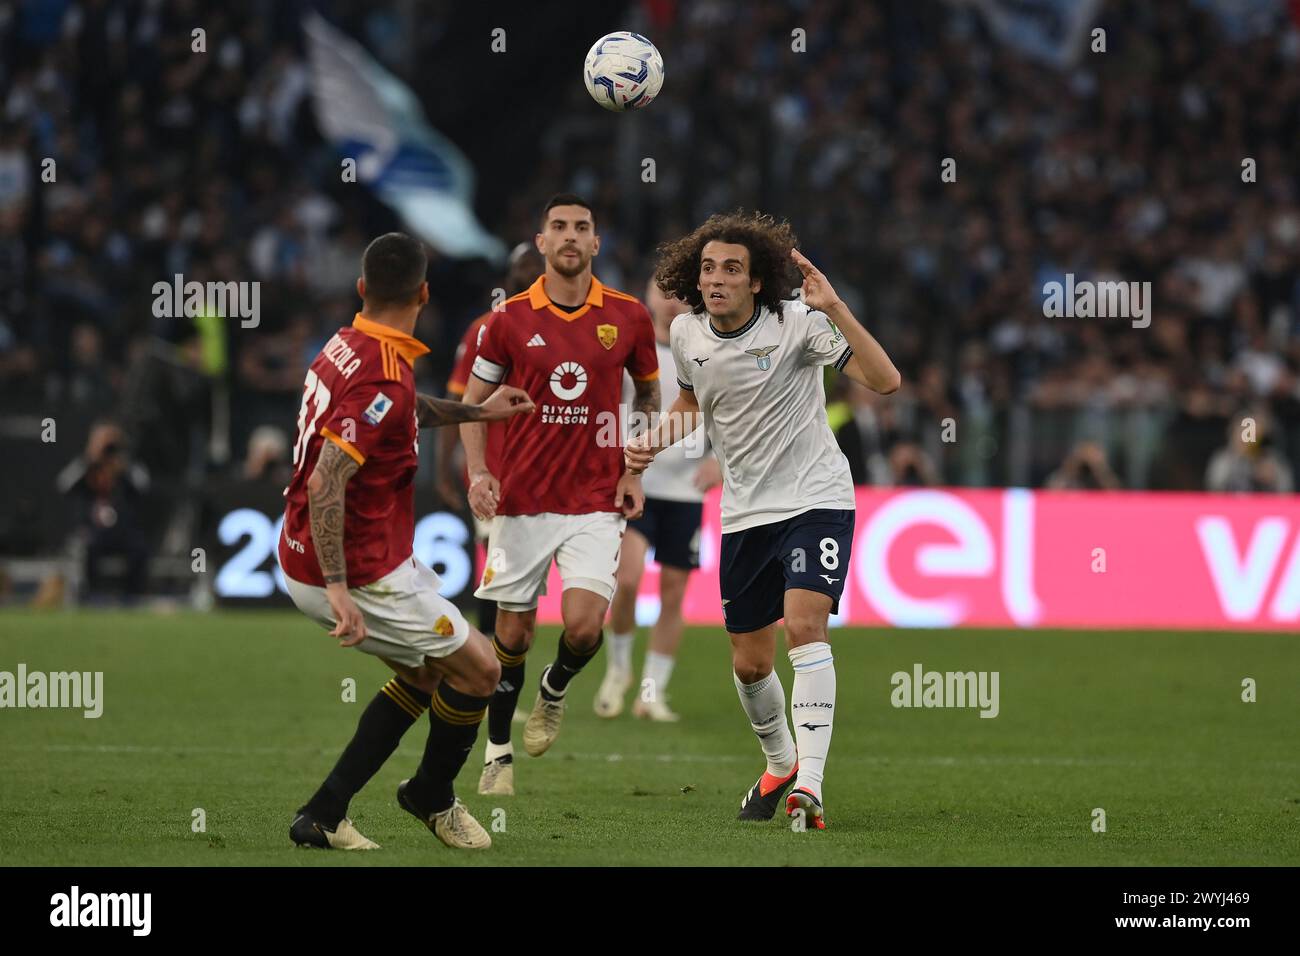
[{"x": 623, "y": 71}]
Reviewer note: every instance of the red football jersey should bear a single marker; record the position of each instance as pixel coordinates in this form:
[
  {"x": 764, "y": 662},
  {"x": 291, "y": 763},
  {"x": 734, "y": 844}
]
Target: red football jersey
[
  {"x": 571, "y": 365},
  {"x": 466, "y": 352},
  {"x": 359, "y": 394}
]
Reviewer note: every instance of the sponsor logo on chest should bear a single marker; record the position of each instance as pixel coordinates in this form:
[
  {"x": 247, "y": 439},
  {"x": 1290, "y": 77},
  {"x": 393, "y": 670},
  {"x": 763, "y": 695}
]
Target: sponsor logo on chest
[{"x": 568, "y": 380}]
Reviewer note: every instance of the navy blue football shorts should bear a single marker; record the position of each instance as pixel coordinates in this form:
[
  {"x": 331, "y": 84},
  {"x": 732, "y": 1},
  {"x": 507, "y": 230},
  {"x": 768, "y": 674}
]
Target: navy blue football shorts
[
  {"x": 758, "y": 565},
  {"x": 673, "y": 529}
]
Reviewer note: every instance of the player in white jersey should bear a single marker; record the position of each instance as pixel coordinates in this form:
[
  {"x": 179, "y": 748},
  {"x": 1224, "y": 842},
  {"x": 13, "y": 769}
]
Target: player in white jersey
[
  {"x": 670, "y": 523},
  {"x": 750, "y": 364}
]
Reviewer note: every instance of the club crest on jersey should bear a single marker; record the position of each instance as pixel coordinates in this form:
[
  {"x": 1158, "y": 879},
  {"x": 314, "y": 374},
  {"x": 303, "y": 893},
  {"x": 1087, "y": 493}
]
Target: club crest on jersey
[
  {"x": 496, "y": 562},
  {"x": 377, "y": 409},
  {"x": 763, "y": 355},
  {"x": 608, "y": 335}
]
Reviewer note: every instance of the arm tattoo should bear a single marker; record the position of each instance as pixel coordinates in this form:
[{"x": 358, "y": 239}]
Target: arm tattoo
[
  {"x": 443, "y": 411},
  {"x": 646, "y": 401},
  {"x": 334, "y": 467}
]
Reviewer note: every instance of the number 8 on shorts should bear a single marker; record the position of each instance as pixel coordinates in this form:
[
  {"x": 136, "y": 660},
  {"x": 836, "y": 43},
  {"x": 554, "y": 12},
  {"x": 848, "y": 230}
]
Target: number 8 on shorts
[{"x": 759, "y": 564}]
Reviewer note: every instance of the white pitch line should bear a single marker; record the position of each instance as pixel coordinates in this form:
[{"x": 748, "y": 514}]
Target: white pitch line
[{"x": 924, "y": 761}]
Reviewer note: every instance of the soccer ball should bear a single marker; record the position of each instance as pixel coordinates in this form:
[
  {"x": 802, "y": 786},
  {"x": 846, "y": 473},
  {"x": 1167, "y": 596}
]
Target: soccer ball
[{"x": 623, "y": 71}]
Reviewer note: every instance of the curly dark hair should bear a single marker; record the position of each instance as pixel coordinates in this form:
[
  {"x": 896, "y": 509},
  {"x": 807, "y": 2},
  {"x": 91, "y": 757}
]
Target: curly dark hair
[{"x": 769, "y": 243}]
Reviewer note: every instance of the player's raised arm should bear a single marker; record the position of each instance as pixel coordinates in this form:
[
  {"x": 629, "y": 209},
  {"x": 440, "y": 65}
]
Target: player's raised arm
[
  {"x": 869, "y": 366},
  {"x": 326, "y": 490}
]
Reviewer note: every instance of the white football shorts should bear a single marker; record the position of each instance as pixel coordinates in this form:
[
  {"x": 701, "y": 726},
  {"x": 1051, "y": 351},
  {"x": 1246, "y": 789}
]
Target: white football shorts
[
  {"x": 406, "y": 618},
  {"x": 521, "y": 548}
]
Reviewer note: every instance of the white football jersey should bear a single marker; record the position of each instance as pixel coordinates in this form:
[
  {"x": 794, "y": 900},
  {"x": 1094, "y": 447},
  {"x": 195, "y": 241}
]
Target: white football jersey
[
  {"x": 760, "y": 389},
  {"x": 673, "y": 476}
]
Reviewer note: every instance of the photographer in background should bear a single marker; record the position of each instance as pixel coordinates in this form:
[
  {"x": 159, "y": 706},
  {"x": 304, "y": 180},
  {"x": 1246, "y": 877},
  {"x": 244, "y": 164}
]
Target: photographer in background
[
  {"x": 911, "y": 467},
  {"x": 268, "y": 458},
  {"x": 1085, "y": 469},
  {"x": 106, "y": 488},
  {"x": 1249, "y": 465}
]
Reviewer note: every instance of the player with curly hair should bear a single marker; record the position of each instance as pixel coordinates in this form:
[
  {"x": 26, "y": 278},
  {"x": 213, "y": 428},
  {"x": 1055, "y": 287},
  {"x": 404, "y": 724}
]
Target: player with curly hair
[{"x": 749, "y": 364}]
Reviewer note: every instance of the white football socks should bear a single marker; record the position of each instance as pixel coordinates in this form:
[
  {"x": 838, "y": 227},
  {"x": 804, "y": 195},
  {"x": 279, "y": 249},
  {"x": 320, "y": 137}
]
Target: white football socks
[
  {"x": 546, "y": 686},
  {"x": 498, "y": 750},
  {"x": 813, "y": 706},
  {"x": 658, "y": 669},
  {"x": 619, "y": 649},
  {"x": 764, "y": 703}
]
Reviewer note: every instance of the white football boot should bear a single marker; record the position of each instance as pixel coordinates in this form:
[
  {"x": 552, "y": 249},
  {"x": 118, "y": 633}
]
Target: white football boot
[
  {"x": 306, "y": 831},
  {"x": 543, "y": 724},
  {"x": 455, "y": 826},
  {"x": 497, "y": 778},
  {"x": 656, "y": 710},
  {"x": 609, "y": 699}
]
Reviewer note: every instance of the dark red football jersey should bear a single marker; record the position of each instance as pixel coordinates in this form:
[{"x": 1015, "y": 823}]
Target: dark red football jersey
[
  {"x": 359, "y": 394},
  {"x": 466, "y": 352},
  {"x": 567, "y": 456}
]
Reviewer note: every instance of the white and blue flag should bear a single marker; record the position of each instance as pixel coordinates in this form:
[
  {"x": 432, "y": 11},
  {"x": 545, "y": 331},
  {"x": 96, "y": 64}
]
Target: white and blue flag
[
  {"x": 1054, "y": 32},
  {"x": 373, "y": 117}
]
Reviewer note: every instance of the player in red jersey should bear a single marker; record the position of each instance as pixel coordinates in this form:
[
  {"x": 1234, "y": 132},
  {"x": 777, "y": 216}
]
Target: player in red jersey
[
  {"x": 525, "y": 265},
  {"x": 346, "y": 553},
  {"x": 565, "y": 495}
]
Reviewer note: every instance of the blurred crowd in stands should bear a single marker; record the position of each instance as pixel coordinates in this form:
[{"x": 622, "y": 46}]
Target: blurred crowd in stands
[{"x": 1129, "y": 165}]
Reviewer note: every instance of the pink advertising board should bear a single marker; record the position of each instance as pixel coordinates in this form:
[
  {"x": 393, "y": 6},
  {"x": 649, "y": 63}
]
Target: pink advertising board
[{"x": 1019, "y": 558}]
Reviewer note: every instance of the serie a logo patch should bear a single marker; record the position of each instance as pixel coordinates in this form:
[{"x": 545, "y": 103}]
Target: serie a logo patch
[{"x": 377, "y": 409}]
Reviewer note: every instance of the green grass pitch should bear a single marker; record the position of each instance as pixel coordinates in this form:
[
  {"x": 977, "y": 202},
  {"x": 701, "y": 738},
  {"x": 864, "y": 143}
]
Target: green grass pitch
[{"x": 241, "y": 715}]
